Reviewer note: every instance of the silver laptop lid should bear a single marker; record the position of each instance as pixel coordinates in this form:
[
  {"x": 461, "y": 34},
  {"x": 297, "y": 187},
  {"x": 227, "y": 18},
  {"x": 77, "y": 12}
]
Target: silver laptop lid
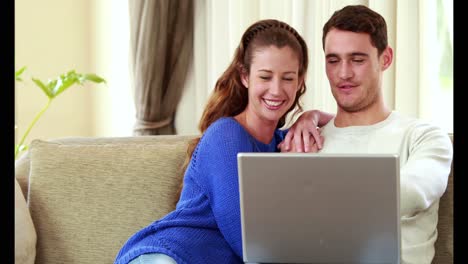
[{"x": 319, "y": 208}]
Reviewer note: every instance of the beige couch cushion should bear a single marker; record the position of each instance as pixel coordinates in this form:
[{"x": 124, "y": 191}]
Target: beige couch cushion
[{"x": 88, "y": 196}]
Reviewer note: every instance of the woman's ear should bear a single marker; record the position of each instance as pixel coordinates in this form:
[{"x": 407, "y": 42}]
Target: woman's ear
[
  {"x": 301, "y": 82},
  {"x": 244, "y": 77}
]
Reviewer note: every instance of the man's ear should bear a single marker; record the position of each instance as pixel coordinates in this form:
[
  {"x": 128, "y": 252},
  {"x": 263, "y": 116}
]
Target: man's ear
[
  {"x": 387, "y": 58},
  {"x": 244, "y": 77}
]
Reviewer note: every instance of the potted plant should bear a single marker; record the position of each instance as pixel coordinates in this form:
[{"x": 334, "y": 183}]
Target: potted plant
[{"x": 52, "y": 89}]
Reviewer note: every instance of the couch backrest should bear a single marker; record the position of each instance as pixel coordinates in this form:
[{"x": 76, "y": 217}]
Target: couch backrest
[{"x": 87, "y": 196}]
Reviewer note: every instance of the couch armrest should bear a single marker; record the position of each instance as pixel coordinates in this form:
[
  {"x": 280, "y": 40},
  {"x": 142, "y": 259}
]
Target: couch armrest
[
  {"x": 22, "y": 173},
  {"x": 25, "y": 233}
]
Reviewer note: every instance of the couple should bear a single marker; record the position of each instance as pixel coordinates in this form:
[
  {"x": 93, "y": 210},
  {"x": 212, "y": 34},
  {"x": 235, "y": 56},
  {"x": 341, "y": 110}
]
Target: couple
[{"x": 249, "y": 104}]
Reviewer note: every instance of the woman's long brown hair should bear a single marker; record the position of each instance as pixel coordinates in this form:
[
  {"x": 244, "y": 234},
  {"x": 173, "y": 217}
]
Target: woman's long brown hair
[{"x": 230, "y": 96}]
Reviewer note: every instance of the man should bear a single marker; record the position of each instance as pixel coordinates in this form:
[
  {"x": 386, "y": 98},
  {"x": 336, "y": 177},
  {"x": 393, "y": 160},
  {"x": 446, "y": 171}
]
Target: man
[{"x": 357, "y": 53}]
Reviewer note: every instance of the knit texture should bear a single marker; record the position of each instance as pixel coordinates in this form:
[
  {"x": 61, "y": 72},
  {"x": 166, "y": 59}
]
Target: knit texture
[
  {"x": 425, "y": 153},
  {"x": 205, "y": 226}
]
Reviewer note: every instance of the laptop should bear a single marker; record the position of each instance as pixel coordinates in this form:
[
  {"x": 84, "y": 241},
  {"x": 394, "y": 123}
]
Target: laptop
[{"x": 319, "y": 208}]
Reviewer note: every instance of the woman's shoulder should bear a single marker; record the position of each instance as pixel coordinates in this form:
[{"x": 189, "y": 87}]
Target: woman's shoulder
[
  {"x": 225, "y": 131},
  {"x": 225, "y": 125}
]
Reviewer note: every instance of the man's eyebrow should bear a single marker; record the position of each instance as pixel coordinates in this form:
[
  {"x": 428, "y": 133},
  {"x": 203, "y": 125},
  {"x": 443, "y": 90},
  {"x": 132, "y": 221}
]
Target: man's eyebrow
[
  {"x": 334, "y": 55},
  {"x": 359, "y": 54}
]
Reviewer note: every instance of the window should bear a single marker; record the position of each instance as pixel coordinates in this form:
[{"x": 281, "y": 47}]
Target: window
[{"x": 437, "y": 106}]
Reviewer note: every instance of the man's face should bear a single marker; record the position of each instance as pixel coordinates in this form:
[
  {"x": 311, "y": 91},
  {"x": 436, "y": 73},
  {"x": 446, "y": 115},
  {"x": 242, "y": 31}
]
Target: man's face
[{"x": 354, "y": 69}]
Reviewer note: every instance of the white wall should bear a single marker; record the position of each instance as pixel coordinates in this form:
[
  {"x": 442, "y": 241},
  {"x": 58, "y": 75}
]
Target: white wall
[
  {"x": 51, "y": 38},
  {"x": 55, "y": 36}
]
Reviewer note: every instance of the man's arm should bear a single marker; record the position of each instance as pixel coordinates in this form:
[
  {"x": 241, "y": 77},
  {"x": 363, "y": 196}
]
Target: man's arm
[
  {"x": 424, "y": 175},
  {"x": 304, "y": 136}
]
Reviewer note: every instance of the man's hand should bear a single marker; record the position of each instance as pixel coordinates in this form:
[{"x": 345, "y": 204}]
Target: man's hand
[
  {"x": 313, "y": 146},
  {"x": 304, "y": 134}
]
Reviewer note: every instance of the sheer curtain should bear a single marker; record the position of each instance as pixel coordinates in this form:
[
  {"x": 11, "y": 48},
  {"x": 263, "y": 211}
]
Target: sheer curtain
[{"x": 219, "y": 25}]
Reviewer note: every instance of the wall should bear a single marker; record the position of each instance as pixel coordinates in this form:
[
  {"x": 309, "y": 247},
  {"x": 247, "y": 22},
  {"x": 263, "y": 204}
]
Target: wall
[{"x": 53, "y": 37}]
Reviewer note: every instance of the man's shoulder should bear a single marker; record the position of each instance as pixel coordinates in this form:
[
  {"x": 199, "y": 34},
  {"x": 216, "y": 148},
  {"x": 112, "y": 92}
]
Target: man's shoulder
[
  {"x": 418, "y": 130},
  {"x": 417, "y": 125}
]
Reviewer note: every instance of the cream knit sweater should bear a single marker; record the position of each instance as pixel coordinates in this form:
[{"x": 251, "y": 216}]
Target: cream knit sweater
[{"x": 425, "y": 157}]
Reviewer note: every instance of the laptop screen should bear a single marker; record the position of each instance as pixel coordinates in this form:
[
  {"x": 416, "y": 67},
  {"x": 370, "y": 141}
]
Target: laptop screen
[{"x": 319, "y": 208}]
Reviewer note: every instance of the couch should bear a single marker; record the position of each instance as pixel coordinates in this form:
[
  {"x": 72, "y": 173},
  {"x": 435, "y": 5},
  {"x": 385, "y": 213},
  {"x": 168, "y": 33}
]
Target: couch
[{"x": 86, "y": 196}]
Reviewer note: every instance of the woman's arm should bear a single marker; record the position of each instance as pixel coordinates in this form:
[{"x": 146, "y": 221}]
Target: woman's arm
[{"x": 217, "y": 167}]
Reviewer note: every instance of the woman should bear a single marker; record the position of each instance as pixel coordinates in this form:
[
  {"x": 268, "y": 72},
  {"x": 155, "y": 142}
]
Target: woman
[{"x": 249, "y": 104}]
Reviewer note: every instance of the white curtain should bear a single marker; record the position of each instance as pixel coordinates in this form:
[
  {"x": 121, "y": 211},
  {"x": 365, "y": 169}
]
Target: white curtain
[{"x": 219, "y": 25}]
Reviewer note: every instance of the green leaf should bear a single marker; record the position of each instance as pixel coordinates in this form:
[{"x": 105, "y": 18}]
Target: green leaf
[
  {"x": 52, "y": 89},
  {"x": 18, "y": 73},
  {"x": 44, "y": 88},
  {"x": 92, "y": 77},
  {"x": 62, "y": 83}
]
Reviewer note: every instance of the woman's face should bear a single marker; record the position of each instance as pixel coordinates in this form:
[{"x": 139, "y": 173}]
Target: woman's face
[{"x": 272, "y": 83}]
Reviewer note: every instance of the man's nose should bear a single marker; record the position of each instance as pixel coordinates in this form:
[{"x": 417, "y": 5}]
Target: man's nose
[{"x": 345, "y": 71}]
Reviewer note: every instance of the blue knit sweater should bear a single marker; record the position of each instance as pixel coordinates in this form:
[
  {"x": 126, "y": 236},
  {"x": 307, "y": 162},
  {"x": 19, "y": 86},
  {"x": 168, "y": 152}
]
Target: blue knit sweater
[{"x": 205, "y": 226}]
